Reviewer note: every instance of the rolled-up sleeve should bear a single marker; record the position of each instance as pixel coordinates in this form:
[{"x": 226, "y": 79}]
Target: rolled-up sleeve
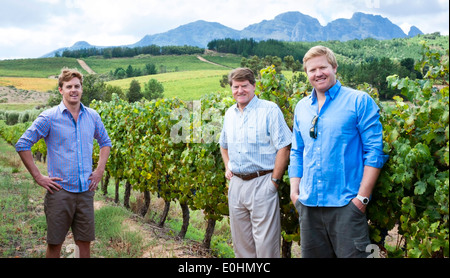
[
  {"x": 38, "y": 129},
  {"x": 101, "y": 135},
  {"x": 295, "y": 169},
  {"x": 282, "y": 135},
  {"x": 371, "y": 132}
]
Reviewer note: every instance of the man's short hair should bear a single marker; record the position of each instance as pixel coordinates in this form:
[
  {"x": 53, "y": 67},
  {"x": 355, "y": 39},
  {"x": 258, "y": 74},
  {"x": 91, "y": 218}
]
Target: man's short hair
[
  {"x": 317, "y": 51},
  {"x": 242, "y": 74},
  {"x": 67, "y": 75}
]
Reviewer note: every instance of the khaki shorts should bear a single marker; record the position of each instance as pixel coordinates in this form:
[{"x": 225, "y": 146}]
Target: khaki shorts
[{"x": 65, "y": 210}]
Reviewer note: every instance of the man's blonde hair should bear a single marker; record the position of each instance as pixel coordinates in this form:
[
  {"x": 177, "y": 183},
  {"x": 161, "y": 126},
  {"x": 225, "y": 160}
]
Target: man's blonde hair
[
  {"x": 67, "y": 75},
  {"x": 317, "y": 51}
]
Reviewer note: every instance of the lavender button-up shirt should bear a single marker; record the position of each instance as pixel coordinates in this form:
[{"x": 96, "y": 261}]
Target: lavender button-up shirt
[{"x": 69, "y": 144}]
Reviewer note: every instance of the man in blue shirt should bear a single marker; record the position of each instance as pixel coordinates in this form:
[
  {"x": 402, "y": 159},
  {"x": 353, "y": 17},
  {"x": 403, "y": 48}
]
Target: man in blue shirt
[
  {"x": 68, "y": 130},
  {"x": 336, "y": 157},
  {"x": 254, "y": 143}
]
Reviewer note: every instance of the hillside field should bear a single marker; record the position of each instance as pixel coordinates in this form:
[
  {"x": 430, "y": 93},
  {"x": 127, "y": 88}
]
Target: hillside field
[{"x": 185, "y": 76}]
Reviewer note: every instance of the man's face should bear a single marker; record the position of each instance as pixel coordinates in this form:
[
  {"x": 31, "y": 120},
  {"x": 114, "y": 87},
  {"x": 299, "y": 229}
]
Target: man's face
[
  {"x": 321, "y": 73},
  {"x": 243, "y": 92},
  {"x": 72, "y": 91}
]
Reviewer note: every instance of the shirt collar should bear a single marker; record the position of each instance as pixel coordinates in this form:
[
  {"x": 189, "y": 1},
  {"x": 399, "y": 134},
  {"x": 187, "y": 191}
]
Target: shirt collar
[
  {"x": 251, "y": 104},
  {"x": 63, "y": 107},
  {"x": 332, "y": 92}
]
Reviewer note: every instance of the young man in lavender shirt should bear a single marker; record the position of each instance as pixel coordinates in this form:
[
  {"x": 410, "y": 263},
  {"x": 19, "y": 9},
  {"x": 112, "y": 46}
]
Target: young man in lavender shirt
[{"x": 68, "y": 130}]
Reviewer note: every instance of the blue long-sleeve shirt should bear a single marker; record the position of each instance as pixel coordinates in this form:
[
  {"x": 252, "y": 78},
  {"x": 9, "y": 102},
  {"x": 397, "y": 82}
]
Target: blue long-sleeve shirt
[
  {"x": 69, "y": 144},
  {"x": 349, "y": 137}
]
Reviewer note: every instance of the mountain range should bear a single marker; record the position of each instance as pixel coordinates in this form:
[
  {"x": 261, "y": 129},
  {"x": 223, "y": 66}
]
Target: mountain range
[{"x": 289, "y": 26}]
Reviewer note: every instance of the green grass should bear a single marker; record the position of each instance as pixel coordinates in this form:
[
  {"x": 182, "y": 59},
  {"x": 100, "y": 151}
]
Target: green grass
[
  {"x": 113, "y": 240},
  {"x": 186, "y": 76},
  {"x": 21, "y": 227},
  {"x": 45, "y": 67},
  {"x": 187, "y": 85},
  {"x": 171, "y": 63},
  {"x": 228, "y": 60},
  {"x": 41, "y": 67},
  {"x": 18, "y": 106}
]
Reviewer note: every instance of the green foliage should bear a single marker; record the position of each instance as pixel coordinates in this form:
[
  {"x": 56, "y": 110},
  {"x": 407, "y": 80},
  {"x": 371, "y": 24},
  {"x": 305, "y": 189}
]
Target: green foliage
[
  {"x": 153, "y": 90},
  {"x": 11, "y": 134},
  {"x": 134, "y": 92},
  {"x": 412, "y": 190}
]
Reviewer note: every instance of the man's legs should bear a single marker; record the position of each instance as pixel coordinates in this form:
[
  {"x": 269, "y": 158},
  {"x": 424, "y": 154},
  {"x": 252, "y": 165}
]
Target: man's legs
[
  {"x": 329, "y": 232},
  {"x": 65, "y": 209},
  {"x": 53, "y": 251},
  {"x": 266, "y": 219},
  {"x": 240, "y": 221},
  {"x": 255, "y": 218},
  {"x": 84, "y": 247}
]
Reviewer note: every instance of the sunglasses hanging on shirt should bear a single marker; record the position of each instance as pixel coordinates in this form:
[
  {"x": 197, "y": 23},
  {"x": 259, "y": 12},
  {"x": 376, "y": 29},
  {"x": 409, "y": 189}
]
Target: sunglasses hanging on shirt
[{"x": 313, "y": 129}]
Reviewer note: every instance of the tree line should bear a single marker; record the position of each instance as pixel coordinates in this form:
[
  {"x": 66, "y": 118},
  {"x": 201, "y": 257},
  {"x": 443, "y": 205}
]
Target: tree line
[{"x": 127, "y": 52}]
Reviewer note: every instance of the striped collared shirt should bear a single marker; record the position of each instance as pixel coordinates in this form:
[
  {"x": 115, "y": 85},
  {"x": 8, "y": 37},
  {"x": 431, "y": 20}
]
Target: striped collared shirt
[
  {"x": 254, "y": 136},
  {"x": 69, "y": 143}
]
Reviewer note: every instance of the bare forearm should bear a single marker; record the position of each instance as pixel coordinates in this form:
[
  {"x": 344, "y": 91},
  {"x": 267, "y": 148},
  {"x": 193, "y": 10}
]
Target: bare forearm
[
  {"x": 48, "y": 183},
  {"x": 226, "y": 159},
  {"x": 368, "y": 181},
  {"x": 281, "y": 162},
  {"x": 27, "y": 159},
  {"x": 103, "y": 158},
  {"x": 295, "y": 191}
]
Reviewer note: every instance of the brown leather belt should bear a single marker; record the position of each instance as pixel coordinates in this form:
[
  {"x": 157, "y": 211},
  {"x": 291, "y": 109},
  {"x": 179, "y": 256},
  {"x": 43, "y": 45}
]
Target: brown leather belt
[{"x": 251, "y": 176}]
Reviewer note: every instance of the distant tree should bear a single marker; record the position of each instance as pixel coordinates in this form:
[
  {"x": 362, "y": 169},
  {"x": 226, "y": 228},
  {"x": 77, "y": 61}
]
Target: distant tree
[
  {"x": 153, "y": 90},
  {"x": 120, "y": 73},
  {"x": 93, "y": 88},
  {"x": 150, "y": 69},
  {"x": 224, "y": 81},
  {"x": 130, "y": 71},
  {"x": 254, "y": 63},
  {"x": 110, "y": 89},
  {"x": 270, "y": 60},
  {"x": 289, "y": 61},
  {"x": 134, "y": 93}
]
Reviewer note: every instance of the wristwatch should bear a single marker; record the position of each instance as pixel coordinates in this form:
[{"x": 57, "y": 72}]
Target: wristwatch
[
  {"x": 364, "y": 200},
  {"x": 277, "y": 181}
]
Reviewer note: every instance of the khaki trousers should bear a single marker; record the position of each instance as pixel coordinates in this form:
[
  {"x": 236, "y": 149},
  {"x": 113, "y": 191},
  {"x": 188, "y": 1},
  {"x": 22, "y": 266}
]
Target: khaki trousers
[{"x": 254, "y": 217}]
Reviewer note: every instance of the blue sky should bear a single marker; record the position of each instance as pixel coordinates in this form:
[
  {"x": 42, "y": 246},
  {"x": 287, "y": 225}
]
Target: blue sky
[{"x": 32, "y": 28}]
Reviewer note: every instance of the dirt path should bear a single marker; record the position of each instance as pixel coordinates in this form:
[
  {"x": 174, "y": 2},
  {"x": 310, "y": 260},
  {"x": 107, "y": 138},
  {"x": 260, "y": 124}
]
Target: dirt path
[
  {"x": 85, "y": 66},
  {"x": 212, "y": 63}
]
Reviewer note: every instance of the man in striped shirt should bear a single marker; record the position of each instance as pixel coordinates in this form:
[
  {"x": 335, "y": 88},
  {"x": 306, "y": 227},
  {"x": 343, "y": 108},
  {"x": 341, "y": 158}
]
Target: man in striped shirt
[
  {"x": 68, "y": 130},
  {"x": 255, "y": 142}
]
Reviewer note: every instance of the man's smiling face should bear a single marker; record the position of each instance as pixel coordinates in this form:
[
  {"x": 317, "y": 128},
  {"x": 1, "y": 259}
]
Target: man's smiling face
[
  {"x": 321, "y": 73},
  {"x": 72, "y": 91}
]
